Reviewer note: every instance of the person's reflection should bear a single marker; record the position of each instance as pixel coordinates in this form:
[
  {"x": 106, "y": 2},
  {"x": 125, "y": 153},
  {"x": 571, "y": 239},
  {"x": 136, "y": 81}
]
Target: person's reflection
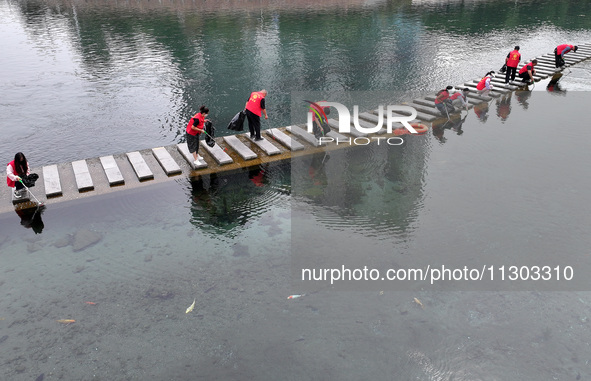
[
  {"x": 554, "y": 86},
  {"x": 504, "y": 106},
  {"x": 454, "y": 124},
  {"x": 317, "y": 171},
  {"x": 31, "y": 218},
  {"x": 523, "y": 97},
  {"x": 481, "y": 111}
]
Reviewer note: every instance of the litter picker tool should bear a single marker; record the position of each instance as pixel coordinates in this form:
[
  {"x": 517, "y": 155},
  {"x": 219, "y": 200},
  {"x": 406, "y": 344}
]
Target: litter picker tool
[{"x": 39, "y": 203}]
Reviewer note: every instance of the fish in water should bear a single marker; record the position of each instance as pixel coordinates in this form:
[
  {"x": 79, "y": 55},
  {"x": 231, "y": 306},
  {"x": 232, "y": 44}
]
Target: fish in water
[
  {"x": 66, "y": 321},
  {"x": 191, "y": 307}
]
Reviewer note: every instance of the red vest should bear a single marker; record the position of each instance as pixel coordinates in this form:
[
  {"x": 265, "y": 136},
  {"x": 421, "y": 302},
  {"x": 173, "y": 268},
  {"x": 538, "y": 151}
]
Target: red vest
[
  {"x": 560, "y": 48},
  {"x": 481, "y": 85},
  {"x": 445, "y": 94},
  {"x": 514, "y": 58},
  {"x": 200, "y": 122},
  {"x": 254, "y": 103},
  {"x": 456, "y": 96},
  {"x": 8, "y": 181},
  {"x": 524, "y": 68}
]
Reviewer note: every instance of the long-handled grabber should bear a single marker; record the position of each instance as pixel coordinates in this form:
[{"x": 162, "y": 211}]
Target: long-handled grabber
[{"x": 39, "y": 203}]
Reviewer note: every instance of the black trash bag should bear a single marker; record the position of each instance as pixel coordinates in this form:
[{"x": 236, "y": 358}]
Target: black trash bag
[
  {"x": 210, "y": 134},
  {"x": 237, "y": 122},
  {"x": 503, "y": 69},
  {"x": 29, "y": 180}
]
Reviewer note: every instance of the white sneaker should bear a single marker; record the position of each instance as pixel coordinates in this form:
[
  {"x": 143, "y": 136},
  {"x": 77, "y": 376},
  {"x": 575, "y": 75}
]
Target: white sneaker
[{"x": 19, "y": 193}]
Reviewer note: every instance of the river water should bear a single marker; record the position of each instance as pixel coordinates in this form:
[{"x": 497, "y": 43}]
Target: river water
[{"x": 504, "y": 187}]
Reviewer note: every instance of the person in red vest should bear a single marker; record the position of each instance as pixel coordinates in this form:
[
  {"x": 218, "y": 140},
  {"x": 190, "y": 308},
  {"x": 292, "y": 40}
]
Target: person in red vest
[
  {"x": 560, "y": 51},
  {"x": 460, "y": 99},
  {"x": 255, "y": 106},
  {"x": 15, "y": 171},
  {"x": 194, "y": 129},
  {"x": 442, "y": 101},
  {"x": 526, "y": 73},
  {"x": 484, "y": 85},
  {"x": 512, "y": 61}
]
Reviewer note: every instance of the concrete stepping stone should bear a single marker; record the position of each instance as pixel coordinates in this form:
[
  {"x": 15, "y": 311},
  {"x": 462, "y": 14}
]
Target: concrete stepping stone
[
  {"x": 51, "y": 180},
  {"x": 114, "y": 176},
  {"x": 140, "y": 167},
  {"x": 218, "y": 154},
  {"x": 166, "y": 161},
  {"x": 286, "y": 140},
  {"x": 269, "y": 148},
  {"x": 82, "y": 174},
  {"x": 184, "y": 150},
  {"x": 305, "y": 135},
  {"x": 338, "y": 137},
  {"x": 334, "y": 124},
  {"x": 492, "y": 93},
  {"x": 244, "y": 152}
]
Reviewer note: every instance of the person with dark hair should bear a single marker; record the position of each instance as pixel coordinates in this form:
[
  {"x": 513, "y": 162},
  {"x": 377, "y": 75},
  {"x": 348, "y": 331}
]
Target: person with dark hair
[
  {"x": 512, "y": 61},
  {"x": 460, "y": 99},
  {"x": 15, "y": 171},
  {"x": 560, "y": 51},
  {"x": 484, "y": 86},
  {"x": 254, "y": 108},
  {"x": 194, "y": 129},
  {"x": 526, "y": 73},
  {"x": 442, "y": 101}
]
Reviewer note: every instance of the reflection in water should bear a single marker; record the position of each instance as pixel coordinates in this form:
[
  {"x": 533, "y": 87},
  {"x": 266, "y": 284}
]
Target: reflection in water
[
  {"x": 554, "y": 85},
  {"x": 504, "y": 106},
  {"x": 222, "y": 204},
  {"x": 523, "y": 97},
  {"x": 454, "y": 123},
  {"x": 31, "y": 218},
  {"x": 481, "y": 111}
]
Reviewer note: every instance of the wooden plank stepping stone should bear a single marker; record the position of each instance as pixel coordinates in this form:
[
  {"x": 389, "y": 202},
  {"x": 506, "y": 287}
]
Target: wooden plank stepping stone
[
  {"x": 82, "y": 174},
  {"x": 140, "y": 167},
  {"x": 244, "y": 152},
  {"x": 308, "y": 137},
  {"x": 269, "y": 148},
  {"x": 112, "y": 171},
  {"x": 221, "y": 157},
  {"x": 166, "y": 161},
  {"x": 51, "y": 180},
  {"x": 184, "y": 150},
  {"x": 287, "y": 141}
]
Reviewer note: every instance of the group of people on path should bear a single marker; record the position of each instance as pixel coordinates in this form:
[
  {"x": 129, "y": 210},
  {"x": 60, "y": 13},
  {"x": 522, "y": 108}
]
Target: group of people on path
[
  {"x": 446, "y": 102},
  {"x": 254, "y": 108}
]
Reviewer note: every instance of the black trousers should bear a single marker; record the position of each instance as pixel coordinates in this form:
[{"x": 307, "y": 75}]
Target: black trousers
[
  {"x": 254, "y": 124},
  {"x": 558, "y": 59},
  {"x": 511, "y": 72},
  {"x": 525, "y": 76}
]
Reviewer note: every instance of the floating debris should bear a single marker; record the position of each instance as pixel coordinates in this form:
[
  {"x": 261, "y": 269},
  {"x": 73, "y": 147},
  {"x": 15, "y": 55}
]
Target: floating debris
[
  {"x": 295, "y": 296},
  {"x": 417, "y": 301},
  {"x": 91, "y": 303},
  {"x": 191, "y": 307},
  {"x": 66, "y": 321}
]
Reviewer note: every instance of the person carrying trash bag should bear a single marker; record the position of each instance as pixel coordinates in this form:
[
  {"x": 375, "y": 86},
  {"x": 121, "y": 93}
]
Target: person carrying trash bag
[
  {"x": 195, "y": 127},
  {"x": 17, "y": 173},
  {"x": 254, "y": 108},
  {"x": 560, "y": 51},
  {"x": 442, "y": 101},
  {"x": 511, "y": 63}
]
